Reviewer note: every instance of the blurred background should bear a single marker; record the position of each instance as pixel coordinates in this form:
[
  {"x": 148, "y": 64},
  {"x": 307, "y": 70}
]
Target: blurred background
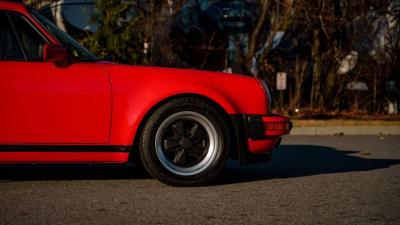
[{"x": 321, "y": 58}]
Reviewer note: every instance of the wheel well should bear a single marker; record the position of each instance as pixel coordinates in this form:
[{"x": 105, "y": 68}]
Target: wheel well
[{"x": 233, "y": 153}]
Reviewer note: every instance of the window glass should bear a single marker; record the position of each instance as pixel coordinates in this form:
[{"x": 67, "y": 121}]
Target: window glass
[
  {"x": 79, "y": 16},
  {"x": 9, "y": 47},
  {"x": 73, "y": 47},
  {"x": 31, "y": 41}
]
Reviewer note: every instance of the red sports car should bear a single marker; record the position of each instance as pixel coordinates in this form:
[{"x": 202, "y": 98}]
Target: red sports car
[{"x": 60, "y": 104}]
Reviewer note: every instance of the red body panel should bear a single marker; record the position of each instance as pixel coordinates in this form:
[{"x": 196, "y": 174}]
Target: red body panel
[
  {"x": 72, "y": 105},
  {"x": 45, "y": 104},
  {"x": 261, "y": 146},
  {"x": 138, "y": 89}
]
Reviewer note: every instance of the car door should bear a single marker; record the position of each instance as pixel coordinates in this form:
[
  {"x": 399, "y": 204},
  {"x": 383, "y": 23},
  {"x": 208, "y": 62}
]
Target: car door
[{"x": 42, "y": 103}]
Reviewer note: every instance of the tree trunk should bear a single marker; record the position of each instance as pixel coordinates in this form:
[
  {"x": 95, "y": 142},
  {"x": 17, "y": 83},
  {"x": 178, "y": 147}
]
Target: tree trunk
[
  {"x": 256, "y": 31},
  {"x": 317, "y": 63},
  {"x": 300, "y": 71}
]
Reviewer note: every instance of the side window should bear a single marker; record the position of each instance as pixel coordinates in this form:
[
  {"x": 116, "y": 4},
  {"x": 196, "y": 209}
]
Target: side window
[
  {"x": 31, "y": 41},
  {"x": 9, "y": 47}
]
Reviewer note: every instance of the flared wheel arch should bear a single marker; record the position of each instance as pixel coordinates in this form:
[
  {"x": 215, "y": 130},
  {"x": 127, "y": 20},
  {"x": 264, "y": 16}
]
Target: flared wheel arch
[{"x": 233, "y": 151}]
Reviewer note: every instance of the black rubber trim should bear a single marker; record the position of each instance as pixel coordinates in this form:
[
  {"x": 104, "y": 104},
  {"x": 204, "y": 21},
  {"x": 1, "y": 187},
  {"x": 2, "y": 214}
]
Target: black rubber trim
[
  {"x": 64, "y": 148},
  {"x": 241, "y": 134},
  {"x": 254, "y": 127}
]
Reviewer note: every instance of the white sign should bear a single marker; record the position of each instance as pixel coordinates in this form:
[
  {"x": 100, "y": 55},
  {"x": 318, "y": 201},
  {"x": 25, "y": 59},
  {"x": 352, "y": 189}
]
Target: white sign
[{"x": 281, "y": 81}]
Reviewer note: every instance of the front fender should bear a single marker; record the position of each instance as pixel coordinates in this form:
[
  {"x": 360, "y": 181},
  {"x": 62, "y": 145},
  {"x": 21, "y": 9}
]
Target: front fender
[{"x": 137, "y": 90}]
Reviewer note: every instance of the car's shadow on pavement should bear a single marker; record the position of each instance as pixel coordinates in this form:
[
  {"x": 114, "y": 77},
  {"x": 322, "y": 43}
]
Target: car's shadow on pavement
[
  {"x": 71, "y": 172},
  {"x": 305, "y": 160},
  {"x": 288, "y": 161}
]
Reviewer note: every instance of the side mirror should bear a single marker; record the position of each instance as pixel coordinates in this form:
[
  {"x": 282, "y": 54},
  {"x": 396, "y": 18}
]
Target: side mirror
[{"x": 54, "y": 53}]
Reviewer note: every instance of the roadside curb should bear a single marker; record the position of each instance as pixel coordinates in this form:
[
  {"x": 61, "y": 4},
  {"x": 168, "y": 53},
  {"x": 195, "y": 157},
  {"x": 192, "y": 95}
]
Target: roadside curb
[{"x": 348, "y": 130}]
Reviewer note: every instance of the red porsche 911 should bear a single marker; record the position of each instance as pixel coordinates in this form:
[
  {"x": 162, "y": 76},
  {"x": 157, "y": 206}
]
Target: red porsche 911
[{"x": 60, "y": 104}]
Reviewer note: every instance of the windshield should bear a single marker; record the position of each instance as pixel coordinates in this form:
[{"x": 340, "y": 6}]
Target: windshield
[{"x": 73, "y": 47}]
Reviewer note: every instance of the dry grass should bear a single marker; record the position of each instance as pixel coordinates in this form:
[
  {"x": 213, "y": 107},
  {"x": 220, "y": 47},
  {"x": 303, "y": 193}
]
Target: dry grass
[{"x": 343, "y": 122}]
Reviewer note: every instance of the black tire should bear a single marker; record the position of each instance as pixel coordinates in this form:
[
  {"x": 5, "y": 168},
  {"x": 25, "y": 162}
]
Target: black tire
[{"x": 195, "y": 161}]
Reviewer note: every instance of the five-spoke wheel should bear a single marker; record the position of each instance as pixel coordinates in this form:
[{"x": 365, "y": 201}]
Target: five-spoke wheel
[{"x": 185, "y": 142}]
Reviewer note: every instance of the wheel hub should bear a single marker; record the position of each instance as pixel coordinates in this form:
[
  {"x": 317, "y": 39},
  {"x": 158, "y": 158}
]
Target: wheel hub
[{"x": 186, "y": 143}]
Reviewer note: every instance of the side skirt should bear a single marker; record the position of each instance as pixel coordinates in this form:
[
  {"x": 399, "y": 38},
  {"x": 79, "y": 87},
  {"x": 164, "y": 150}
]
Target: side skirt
[{"x": 63, "y": 154}]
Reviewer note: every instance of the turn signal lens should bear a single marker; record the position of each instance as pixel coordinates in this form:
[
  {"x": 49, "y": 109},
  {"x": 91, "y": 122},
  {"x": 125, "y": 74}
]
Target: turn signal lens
[{"x": 276, "y": 126}]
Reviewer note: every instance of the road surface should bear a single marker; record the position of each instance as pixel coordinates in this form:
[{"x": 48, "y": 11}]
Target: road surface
[{"x": 311, "y": 180}]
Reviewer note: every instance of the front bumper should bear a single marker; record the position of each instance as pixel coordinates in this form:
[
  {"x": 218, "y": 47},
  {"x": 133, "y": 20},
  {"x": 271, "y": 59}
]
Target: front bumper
[{"x": 258, "y": 135}]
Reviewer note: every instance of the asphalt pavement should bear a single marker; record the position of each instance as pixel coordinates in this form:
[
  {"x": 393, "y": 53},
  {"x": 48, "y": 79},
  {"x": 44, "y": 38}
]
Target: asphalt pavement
[{"x": 311, "y": 180}]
